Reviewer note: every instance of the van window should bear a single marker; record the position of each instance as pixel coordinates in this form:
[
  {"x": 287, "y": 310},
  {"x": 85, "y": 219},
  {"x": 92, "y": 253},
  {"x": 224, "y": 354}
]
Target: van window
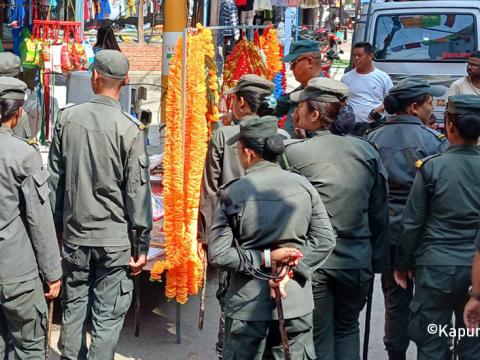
[{"x": 424, "y": 37}]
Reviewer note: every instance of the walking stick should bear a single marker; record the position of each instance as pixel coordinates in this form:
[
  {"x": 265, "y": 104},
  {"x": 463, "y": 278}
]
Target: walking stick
[
  {"x": 136, "y": 283},
  {"x": 203, "y": 300},
  {"x": 49, "y": 330},
  {"x": 368, "y": 316},
  {"x": 281, "y": 318}
]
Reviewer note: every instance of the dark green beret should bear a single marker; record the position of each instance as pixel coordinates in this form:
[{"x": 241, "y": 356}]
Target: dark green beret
[
  {"x": 301, "y": 47},
  {"x": 254, "y": 83},
  {"x": 10, "y": 64},
  {"x": 258, "y": 127},
  {"x": 322, "y": 89},
  {"x": 413, "y": 87},
  {"x": 111, "y": 63},
  {"x": 12, "y": 88},
  {"x": 463, "y": 104}
]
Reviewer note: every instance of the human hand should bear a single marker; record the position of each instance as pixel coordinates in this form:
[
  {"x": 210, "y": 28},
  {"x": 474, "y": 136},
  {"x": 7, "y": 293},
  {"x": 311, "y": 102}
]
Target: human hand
[
  {"x": 285, "y": 274},
  {"x": 401, "y": 278},
  {"x": 286, "y": 256},
  {"x": 136, "y": 267},
  {"x": 471, "y": 314},
  {"x": 53, "y": 289},
  {"x": 227, "y": 119}
]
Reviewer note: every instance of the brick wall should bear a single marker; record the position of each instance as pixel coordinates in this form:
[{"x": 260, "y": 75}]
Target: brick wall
[{"x": 147, "y": 57}]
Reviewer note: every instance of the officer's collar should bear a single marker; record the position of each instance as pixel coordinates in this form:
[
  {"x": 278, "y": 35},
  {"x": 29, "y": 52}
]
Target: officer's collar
[
  {"x": 464, "y": 149},
  {"x": 318, "y": 132},
  {"x": 106, "y": 100},
  {"x": 260, "y": 166},
  {"x": 403, "y": 119},
  {"x": 5, "y": 129}
]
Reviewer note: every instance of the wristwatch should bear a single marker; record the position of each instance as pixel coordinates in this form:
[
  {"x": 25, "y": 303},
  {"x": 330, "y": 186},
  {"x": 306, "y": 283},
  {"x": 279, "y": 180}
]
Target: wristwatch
[
  {"x": 375, "y": 116},
  {"x": 473, "y": 294}
]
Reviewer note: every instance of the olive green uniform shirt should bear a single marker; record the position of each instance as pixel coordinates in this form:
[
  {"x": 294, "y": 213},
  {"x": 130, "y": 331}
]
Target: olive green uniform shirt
[
  {"x": 272, "y": 208},
  {"x": 349, "y": 176},
  {"x": 28, "y": 243},
  {"x": 401, "y": 142},
  {"x": 100, "y": 177},
  {"x": 441, "y": 217},
  {"x": 222, "y": 166}
]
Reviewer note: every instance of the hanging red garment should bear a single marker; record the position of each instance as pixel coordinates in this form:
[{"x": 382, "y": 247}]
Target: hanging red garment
[
  {"x": 244, "y": 59},
  {"x": 240, "y": 2}
]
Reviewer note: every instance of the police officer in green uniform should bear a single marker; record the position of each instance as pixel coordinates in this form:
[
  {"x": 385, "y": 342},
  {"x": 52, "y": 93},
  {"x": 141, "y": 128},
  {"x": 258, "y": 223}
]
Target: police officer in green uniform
[
  {"x": 28, "y": 248},
  {"x": 402, "y": 141},
  {"x": 223, "y": 165},
  {"x": 267, "y": 214},
  {"x": 100, "y": 192},
  {"x": 306, "y": 63},
  {"x": 11, "y": 66},
  {"x": 349, "y": 175},
  {"x": 437, "y": 242}
]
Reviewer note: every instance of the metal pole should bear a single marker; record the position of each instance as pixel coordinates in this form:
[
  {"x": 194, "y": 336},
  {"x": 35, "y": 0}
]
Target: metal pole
[
  {"x": 178, "y": 323},
  {"x": 140, "y": 31},
  {"x": 175, "y": 20},
  {"x": 206, "y": 3}
]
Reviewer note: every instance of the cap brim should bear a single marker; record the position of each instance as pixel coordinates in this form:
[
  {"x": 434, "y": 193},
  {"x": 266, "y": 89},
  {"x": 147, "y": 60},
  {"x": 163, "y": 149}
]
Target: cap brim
[
  {"x": 298, "y": 96},
  {"x": 290, "y": 57},
  {"x": 230, "y": 91},
  {"x": 233, "y": 140},
  {"x": 437, "y": 90}
]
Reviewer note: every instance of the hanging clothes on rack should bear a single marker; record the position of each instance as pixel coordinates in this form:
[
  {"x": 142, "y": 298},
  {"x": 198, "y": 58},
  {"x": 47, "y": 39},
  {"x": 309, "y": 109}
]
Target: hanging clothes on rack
[
  {"x": 248, "y": 5},
  {"x": 294, "y": 3},
  {"x": 309, "y": 4},
  {"x": 280, "y": 3}
]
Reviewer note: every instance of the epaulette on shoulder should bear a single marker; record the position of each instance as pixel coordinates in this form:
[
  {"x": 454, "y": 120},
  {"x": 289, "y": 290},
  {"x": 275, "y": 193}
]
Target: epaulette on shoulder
[
  {"x": 289, "y": 142},
  {"x": 441, "y": 137},
  {"x": 140, "y": 125},
  {"x": 31, "y": 141},
  {"x": 420, "y": 162},
  {"x": 224, "y": 186},
  {"x": 371, "y": 143}
]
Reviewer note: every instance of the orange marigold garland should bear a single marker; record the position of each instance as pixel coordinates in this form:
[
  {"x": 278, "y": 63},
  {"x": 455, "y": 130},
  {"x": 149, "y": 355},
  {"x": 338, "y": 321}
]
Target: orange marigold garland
[
  {"x": 184, "y": 164},
  {"x": 271, "y": 48}
]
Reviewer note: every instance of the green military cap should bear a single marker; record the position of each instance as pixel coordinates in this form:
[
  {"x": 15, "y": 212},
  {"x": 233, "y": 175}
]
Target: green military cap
[
  {"x": 301, "y": 47},
  {"x": 258, "y": 127},
  {"x": 463, "y": 104},
  {"x": 10, "y": 64},
  {"x": 11, "y": 88},
  {"x": 412, "y": 87},
  {"x": 323, "y": 90},
  {"x": 255, "y": 83},
  {"x": 111, "y": 63}
]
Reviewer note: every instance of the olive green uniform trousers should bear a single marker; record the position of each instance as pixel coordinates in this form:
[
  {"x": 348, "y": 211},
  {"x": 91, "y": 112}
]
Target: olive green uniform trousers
[
  {"x": 440, "y": 291},
  {"x": 23, "y": 318},
  {"x": 339, "y": 297},
  {"x": 261, "y": 340},
  {"x": 96, "y": 279}
]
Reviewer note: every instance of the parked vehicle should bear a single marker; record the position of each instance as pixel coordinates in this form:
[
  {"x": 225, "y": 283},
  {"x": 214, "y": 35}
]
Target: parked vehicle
[{"x": 428, "y": 39}]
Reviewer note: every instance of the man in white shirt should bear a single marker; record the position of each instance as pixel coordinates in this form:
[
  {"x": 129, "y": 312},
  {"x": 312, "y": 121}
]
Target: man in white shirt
[
  {"x": 368, "y": 86},
  {"x": 470, "y": 84}
]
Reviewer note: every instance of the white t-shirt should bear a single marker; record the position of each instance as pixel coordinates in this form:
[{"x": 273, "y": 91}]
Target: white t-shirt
[
  {"x": 367, "y": 91},
  {"x": 463, "y": 86}
]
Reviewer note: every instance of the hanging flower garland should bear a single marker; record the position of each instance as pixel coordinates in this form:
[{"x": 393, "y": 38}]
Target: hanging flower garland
[
  {"x": 184, "y": 160},
  {"x": 271, "y": 48}
]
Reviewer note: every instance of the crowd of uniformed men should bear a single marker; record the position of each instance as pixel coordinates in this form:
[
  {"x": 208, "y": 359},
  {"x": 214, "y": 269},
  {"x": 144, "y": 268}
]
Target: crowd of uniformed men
[{"x": 298, "y": 220}]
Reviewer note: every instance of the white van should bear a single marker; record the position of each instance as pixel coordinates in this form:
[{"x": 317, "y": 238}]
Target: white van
[{"x": 429, "y": 39}]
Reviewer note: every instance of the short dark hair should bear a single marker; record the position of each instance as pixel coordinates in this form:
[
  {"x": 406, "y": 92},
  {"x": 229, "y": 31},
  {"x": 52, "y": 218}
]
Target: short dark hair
[
  {"x": 393, "y": 105},
  {"x": 365, "y": 45},
  {"x": 328, "y": 111},
  {"x": 269, "y": 149},
  {"x": 475, "y": 54},
  {"x": 8, "y": 107},
  {"x": 257, "y": 102},
  {"x": 468, "y": 125}
]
